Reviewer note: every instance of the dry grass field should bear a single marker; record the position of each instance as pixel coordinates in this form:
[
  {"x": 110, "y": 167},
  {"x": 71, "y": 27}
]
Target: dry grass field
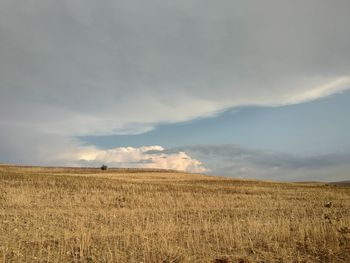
[{"x": 88, "y": 215}]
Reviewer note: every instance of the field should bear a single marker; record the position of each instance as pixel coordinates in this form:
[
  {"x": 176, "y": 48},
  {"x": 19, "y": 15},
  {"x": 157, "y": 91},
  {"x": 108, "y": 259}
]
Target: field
[{"x": 89, "y": 215}]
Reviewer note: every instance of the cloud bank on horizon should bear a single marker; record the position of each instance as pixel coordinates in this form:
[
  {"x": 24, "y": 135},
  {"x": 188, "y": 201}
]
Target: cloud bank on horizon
[
  {"x": 143, "y": 157},
  {"x": 73, "y": 68}
]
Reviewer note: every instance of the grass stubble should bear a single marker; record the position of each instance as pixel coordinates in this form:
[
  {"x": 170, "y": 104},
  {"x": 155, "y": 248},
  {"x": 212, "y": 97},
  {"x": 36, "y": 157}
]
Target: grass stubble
[{"x": 86, "y": 215}]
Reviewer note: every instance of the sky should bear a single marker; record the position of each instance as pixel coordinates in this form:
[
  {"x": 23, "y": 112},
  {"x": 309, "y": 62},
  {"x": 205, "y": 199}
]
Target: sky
[{"x": 248, "y": 89}]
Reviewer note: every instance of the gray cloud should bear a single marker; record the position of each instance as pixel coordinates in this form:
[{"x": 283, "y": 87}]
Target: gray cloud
[
  {"x": 79, "y": 67},
  {"x": 237, "y": 161},
  {"x": 82, "y": 67},
  {"x": 31, "y": 146}
]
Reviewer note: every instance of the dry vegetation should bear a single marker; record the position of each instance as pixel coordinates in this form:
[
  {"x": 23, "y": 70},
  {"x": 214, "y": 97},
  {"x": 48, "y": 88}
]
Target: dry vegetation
[{"x": 86, "y": 215}]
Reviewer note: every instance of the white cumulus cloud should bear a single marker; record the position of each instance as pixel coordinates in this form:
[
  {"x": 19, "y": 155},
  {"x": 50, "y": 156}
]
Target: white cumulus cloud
[{"x": 142, "y": 157}]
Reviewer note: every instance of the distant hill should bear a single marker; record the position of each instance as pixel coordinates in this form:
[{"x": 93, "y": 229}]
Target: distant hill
[
  {"x": 346, "y": 183},
  {"x": 89, "y": 169}
]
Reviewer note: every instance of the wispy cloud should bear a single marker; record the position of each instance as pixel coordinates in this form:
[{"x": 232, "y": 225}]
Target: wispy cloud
[{"x": 335, "y": 86}]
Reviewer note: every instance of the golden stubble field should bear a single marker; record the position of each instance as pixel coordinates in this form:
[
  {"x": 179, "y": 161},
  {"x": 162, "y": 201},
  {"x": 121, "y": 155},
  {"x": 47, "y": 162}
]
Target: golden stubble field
[{"x": 88, "y": 215}]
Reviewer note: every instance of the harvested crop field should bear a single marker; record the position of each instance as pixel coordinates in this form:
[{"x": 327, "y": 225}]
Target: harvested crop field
[{"x": 126, "y": 215}]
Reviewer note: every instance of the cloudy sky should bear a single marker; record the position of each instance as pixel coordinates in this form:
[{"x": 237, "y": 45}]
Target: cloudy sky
[{"x": 253, "y": 89}]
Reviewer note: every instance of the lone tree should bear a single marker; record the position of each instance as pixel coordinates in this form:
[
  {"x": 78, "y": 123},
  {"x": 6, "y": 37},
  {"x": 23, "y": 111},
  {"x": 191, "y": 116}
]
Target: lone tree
[{"x": 104, "y": 167}]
